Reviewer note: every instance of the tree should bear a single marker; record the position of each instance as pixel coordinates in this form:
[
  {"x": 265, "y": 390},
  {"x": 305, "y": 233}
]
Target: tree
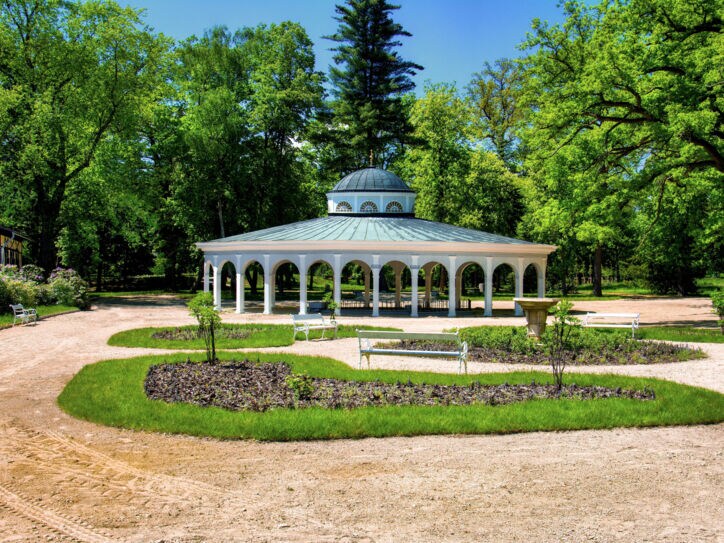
[
  {"x": 71, "y": 73},
  {"x": 456, "y": 183},
  {"x": 633, "y": 88},
  {"x": 494, "y": 96},
  {"x": 370, "y": 82},
  {"x": 203, "y": 310},
  {"x": 442, "y": 159}
]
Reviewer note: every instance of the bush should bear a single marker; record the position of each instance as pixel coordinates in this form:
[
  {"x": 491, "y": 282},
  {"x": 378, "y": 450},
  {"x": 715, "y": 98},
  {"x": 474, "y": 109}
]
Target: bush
[
  {"x": 68, "y": 288},
  {"x": 21, "y": 292},
  {"x": 26, "y": 286},
  {"x": 32, "y": 274},
  {"x": 504, "y": 338}
]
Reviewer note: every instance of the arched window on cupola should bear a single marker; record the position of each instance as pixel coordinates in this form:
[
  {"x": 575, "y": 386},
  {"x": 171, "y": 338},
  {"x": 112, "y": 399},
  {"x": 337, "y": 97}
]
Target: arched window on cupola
[
  {"x": 368, "y": 207},
  {"x": 343, "y": 207},
  {"x": 393, "y": 207}
]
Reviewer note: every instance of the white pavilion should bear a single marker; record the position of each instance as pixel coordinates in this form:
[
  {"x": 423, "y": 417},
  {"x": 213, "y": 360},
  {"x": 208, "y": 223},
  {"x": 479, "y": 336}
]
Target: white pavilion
[{"x": 371, "y": 222}]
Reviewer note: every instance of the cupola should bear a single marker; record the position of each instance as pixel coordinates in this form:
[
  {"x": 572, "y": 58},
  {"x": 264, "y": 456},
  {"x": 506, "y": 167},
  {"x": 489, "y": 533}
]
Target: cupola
[{"x": 371, "y": 192}]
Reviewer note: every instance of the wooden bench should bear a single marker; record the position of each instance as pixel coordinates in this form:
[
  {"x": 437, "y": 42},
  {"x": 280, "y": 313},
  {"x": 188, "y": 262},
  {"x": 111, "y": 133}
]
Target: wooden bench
[
  {"x": 459, "y": 350},
  {"x": 313, "y": 321},
  {"x": 591, "y": 320},
  {"x": 23, "y": 315}
]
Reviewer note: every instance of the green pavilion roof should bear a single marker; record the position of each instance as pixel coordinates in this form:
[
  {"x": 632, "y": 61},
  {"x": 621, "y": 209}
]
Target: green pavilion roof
[
  {"x": 341, "y": 228},
  {"x": 371, "y": 180}
]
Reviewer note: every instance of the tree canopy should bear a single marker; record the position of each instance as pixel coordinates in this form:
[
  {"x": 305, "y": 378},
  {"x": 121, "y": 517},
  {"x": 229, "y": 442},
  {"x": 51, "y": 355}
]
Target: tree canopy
[
  {"x": 121, "y": 148},
  {"x": 369, "y": 79}
]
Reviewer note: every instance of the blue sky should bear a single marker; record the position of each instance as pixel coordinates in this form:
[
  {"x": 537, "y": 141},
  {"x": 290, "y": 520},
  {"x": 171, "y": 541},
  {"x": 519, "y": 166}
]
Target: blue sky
[{"x": 451, "y": 38}]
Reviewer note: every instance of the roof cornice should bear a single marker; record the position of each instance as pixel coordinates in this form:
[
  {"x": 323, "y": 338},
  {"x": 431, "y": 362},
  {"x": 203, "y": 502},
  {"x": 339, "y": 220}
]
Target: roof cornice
[{"x": 374, "y": 247}]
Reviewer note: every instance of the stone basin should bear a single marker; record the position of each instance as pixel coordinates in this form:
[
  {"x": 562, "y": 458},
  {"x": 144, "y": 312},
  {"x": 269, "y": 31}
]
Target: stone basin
[{"x": 536, "y": 312}]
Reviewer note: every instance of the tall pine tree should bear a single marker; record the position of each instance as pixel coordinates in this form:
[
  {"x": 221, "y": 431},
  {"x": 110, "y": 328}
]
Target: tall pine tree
[{"x": 369, "y": 81}]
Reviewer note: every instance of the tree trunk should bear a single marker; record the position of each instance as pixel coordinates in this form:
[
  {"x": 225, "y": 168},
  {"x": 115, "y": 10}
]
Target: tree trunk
[{"x": 597, "y": 264}]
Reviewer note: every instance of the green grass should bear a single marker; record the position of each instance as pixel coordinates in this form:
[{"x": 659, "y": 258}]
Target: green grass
[
  {"x": 263, "y": 335},
  {"x": 681, "y": 333},
  {"x": 43, "y": 311},
  {"x": 111, "y": 392}
]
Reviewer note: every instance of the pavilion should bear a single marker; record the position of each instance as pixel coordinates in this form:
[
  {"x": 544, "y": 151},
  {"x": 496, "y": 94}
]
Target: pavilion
[{"x": 371, "y": 222}]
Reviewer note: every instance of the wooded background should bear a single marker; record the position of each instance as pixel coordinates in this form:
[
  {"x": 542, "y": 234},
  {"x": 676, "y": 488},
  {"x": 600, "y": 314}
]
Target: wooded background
[{"x": 121, "y": 148}]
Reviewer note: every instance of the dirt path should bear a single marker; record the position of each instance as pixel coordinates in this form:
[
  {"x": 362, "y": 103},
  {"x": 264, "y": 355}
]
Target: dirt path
[{"x": 66, "y": 480}]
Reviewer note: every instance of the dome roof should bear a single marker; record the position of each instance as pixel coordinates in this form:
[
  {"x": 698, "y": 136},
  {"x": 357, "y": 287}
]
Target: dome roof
[{"x": 371, "y": 180}]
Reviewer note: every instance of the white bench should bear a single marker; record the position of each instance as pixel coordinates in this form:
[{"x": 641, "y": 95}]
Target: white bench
[
  {"x": 592, "y": 320},
  {"x": 313, "y": 321},
  {"x": 23, "y": 315},
  {"x": 366, "y": 348}
]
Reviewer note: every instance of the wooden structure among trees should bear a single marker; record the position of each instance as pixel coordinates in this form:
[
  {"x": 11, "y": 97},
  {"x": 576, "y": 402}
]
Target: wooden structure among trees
[{"x": 11, "y": 247}]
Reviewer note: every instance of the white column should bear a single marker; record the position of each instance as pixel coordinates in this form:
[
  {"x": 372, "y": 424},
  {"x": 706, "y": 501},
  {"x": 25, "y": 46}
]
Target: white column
[
  {"x": 519, "y": 272},
  {"x": 376, "y": 290},
  {"x": 206, "y": 277},
  {"x": 302, "y": 284},
  {"x": 367, "y": 271},
  {"x": 451, "y": 295},
  {"x": 427, "y": 268},
  {"x": 414, "y": 271},
  {"x": 488, "y": 287},
  {"x": 239, "y": 285},
  {"x": 541, "y": 282},
  {"x": 239, "y": 291},
  {"x": 337, "y": 281},
  {"x": 267, "y": 286},
  {"x": 217, "y": 288}
]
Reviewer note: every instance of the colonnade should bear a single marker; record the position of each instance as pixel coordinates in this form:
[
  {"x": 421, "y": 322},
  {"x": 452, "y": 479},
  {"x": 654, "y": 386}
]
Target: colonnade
[{"x": 372, "y": 265}]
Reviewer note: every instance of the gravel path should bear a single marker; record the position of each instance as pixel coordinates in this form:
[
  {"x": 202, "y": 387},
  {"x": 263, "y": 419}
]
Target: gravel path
[{"x": 66, "y": 480}]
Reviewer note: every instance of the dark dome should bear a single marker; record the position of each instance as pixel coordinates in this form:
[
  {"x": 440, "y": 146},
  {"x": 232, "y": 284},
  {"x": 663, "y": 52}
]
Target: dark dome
[{"x": 371, "y": 180}]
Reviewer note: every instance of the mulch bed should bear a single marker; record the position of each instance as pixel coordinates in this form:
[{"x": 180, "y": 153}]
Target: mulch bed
[
  {"x": 187, "y": 334},
  {"x": 249, "y": 386},
  {"x": 644, "y": 352}
]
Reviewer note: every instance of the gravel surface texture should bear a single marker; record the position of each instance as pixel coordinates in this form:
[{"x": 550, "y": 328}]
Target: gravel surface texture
[{"x": 67, "y": 480}]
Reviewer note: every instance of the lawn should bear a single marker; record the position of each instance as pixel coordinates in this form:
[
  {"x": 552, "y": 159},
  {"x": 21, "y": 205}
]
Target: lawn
[
  {"x": 261, "y": 335},
  {"x": 681, "y": 333},
  {"x": 6, "y": 319},
  {"x": 111, "y": 392}
]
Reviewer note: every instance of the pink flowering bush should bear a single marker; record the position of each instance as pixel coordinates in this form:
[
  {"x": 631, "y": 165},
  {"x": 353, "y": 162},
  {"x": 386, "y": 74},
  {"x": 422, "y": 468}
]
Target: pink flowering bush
[{"x": 27, "y": 286}]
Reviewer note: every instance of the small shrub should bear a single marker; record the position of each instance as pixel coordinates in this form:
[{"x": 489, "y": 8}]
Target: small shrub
[
  {"x": 203, "y": 310},
  {"x": 68, "y": 288},
  {"x": 557, "y": 338}
]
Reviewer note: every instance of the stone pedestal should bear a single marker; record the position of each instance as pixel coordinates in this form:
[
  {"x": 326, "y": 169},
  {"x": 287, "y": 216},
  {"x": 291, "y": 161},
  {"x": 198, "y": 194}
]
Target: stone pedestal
[{"x": 536, "y": 312}]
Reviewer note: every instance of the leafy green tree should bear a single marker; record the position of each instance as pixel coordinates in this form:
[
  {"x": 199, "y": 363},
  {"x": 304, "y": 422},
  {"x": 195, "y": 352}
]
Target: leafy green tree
[
  {"x": 369, "y": 79},
  {"x": 71, "y": 73},
  {"x": 108, "y": 215},
  {"x": 456, "y": 183},
  {"x": 285, "y": 93},
  {"x": 441, "y": 161},
  {"x": 629, "y": 94},
  {"x": 494, "y": 97}
]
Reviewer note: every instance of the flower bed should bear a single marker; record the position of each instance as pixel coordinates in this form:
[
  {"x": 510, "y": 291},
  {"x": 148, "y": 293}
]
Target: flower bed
[{"x": 247, "y": 386}]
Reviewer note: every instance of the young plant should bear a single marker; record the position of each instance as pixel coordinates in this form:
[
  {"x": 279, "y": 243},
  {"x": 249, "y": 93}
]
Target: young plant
[
  {"x": 202, "y": 308},
  {"x": 331, "y": 304},
  {"x": 557, "y": 338}
]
